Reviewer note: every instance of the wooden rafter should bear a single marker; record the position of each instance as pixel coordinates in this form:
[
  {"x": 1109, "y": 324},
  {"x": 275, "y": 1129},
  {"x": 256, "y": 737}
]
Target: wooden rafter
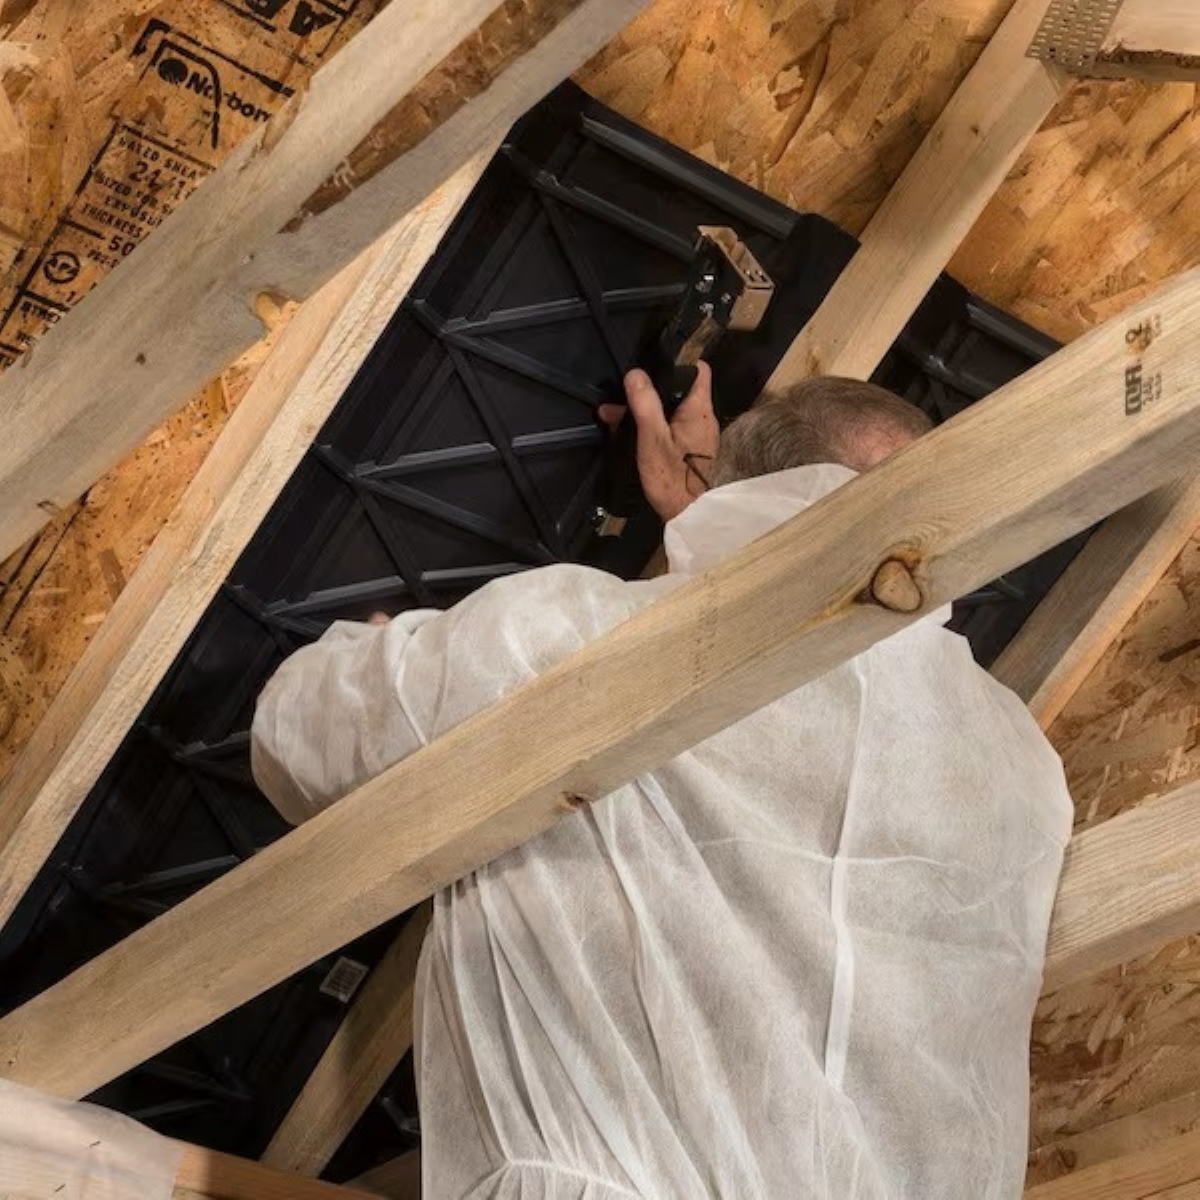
[
  {"x": 1169, "y": 1171},
  {"x": 940, "y": 518},
  {"x": 391, "y": 117},
  {"x": 1129, "y": 885},
  {"x": 960, "y": 164},
  {"x": 298, "y": 386},
  {"x": 1086, "y": 610},
  {"x": 375, "y": 1035},
  {"x": 208, "y": 1175}
]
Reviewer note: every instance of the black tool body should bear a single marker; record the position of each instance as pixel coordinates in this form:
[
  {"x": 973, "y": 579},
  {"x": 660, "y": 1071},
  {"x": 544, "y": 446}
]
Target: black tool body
[{"x": 726, "y": 290}]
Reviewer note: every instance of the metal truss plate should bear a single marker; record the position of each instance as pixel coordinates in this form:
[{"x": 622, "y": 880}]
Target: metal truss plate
[{"x": 1072, "y": 33}]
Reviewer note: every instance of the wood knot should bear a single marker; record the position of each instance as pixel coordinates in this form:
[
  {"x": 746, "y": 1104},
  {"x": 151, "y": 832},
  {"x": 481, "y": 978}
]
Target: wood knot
[{"x": 894, "y": 587}]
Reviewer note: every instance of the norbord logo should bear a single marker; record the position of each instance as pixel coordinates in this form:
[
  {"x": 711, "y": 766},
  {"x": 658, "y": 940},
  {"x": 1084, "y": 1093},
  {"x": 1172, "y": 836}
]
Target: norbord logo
[{"x": 206, "y": 83}]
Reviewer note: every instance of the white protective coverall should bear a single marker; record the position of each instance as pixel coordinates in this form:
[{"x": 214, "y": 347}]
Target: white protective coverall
[{"x": 798, "y": 961}]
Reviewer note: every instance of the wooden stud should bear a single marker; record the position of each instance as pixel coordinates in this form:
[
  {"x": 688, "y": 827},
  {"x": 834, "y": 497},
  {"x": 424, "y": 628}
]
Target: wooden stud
[
  {"x": 1129, "y": 885},
  {"x": 207, "y": 1175},
  {"x": 954, "y": 506},
  {"x": 1122, "y": 1136},
  {"x": 962, "y": 161},
  {"x": 304, "y": 377},
  {"x": 1084, "y": 613},
  {"x": 1169, "y": 1171},
  {"x": 399, "y": 1179},
  {"x": 390, "y": 118},
  {"x": 375, "y": 1035}
]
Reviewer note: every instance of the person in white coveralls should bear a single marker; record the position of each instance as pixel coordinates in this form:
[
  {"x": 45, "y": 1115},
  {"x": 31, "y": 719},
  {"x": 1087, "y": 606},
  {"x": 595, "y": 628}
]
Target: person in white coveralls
[{"x": 799, "y": 960}]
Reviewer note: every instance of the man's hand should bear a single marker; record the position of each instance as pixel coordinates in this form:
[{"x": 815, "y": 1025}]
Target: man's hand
[{"x": 673, "y": 458}]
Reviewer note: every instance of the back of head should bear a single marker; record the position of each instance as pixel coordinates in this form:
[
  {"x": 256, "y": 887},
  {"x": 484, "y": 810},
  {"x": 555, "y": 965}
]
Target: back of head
[{"x": 821, "y": 420}]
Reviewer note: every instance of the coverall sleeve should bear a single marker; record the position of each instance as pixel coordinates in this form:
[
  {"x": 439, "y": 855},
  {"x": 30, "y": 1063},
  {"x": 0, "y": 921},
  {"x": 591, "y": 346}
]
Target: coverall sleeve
[
  {"x": 343, "y": 710},
  {"x": 333, "y": 717}
]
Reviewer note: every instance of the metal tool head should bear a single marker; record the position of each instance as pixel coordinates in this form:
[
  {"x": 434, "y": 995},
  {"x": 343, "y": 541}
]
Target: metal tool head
[{"x": 726, "y": 289}]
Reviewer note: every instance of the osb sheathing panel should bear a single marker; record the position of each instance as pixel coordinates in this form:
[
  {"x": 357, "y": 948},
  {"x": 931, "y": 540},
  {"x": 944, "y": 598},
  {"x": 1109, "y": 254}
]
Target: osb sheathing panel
[
  {"x": 818, "y": 102},
  {"x": 111, "y": 113},
  {"x": 821, "y": 103},
  {"x": 1116, "y": 1059},
  {"x": 1101, "y": 209}
]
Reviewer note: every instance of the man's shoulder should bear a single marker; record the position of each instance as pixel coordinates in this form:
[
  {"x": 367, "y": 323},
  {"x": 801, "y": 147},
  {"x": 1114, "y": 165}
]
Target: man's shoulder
[
  {"x": 556, "y": 586},
  {"x": 507, "y": 632},
  {"x": 556, "y": 609}
]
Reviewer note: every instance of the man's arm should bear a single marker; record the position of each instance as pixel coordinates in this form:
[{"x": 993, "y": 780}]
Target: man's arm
[
  {"x": 333, "y": 715},
  {"x": 342, "y": 710}
]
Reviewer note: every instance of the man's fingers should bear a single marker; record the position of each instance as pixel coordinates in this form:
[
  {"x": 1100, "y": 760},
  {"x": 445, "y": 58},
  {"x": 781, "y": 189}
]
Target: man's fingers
[
  {"x": 610, "y": 415},
  {"x": 644, "y": 402}
]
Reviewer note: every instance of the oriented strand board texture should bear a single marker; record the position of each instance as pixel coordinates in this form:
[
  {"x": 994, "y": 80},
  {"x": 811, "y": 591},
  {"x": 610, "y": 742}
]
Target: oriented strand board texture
[
  {"x": 1117, "y": 1059},
  {"x": 111, "y": 112},
  {"x": 1103, "y": 206},
  {"x": 819, "y": 102}
]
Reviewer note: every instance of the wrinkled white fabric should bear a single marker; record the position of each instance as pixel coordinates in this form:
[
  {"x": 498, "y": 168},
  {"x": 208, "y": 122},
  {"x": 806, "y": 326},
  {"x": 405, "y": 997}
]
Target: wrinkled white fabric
[
  {"x": 54, "y": 1149},
  {"x": 798, "y": 961}
]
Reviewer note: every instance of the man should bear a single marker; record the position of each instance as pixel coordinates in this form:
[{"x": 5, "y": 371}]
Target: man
[{"x": 799, "y": 960}]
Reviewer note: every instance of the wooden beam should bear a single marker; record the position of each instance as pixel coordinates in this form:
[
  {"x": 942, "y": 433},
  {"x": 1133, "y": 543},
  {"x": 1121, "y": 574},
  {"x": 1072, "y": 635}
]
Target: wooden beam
[
  {"x": 208, "y": 1175},
  {"x": 1083, "y": 614},
  {"x": 399, "y": 1179},
  {"x": 1130, "y": 1134},
  {"x": 375, "y": 1035},
  {"x": 947, "y": 184},
  {"x": 945, "y": 515},
  {"x": 1169, "y": 1171},
  {"x": 305, "y": 375},
  {"x": 1129, "y": 885},
  {"x": 390, "y": 118}
]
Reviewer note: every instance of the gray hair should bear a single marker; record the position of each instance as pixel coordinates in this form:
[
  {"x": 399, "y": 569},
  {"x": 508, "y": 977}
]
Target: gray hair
[{"x": 821, "y": 420}]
